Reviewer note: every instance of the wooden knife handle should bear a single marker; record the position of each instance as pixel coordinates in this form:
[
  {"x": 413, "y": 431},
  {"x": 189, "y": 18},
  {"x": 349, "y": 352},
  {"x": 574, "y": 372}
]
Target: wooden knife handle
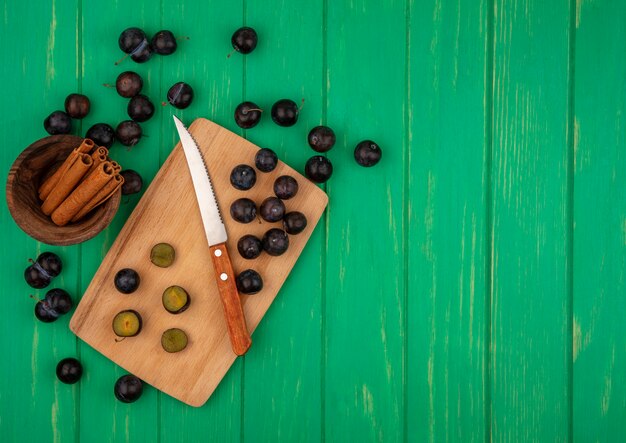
[{"x": 237, "y": 330}]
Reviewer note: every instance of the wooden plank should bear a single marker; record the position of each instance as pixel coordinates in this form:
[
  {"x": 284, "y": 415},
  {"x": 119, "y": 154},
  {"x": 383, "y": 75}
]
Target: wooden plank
[
  {"x": 101, "y": 29},
  {"x": 365, "y": 273},
  {"x": 282, "y": 397},
  {"x": 449, "y": 78},
  {"x": 530, "y": 308},
  {"x": 600, "y": 222},
  {"x": 39, "y": 70},
  {"x": 202, "y": 62}
]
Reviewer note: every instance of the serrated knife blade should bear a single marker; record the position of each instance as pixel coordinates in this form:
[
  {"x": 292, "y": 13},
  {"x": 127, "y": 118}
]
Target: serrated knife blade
[{"x": 207, "y": 202}]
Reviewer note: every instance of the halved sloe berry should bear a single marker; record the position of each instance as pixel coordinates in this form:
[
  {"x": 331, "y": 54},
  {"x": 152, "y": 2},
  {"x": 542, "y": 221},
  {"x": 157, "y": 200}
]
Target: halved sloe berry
[
  {"x": 294, "y": 222},
  {"x": 318, "y": 169},
  {"x": 249, "y": 247},
  {"x": 127, "y": 280},
  {"x": 275, "y": 242},
  {"x": 174, "y": 340},
  {"x": 272, "y": 209},
  {"x": 243, "y": 210},
  {"x": 58, "y": 123},
  {"x": 175, "y": 299},
  {"x": 285, "y": 187},
  {"x": 266, "y": 160},
  {"x": 249, "y": 282},
  {"x": 243, "y": 177},
  {"x": 127, "y": 323},
  {"x": 367, "y": 153}
]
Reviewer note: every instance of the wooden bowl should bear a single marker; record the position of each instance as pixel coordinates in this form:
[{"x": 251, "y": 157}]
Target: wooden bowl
[{"x": 29, "y": 170}]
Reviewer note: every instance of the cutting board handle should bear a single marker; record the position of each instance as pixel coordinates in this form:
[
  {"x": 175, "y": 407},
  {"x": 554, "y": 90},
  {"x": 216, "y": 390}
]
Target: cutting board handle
[{"x": 237, "y": 329}]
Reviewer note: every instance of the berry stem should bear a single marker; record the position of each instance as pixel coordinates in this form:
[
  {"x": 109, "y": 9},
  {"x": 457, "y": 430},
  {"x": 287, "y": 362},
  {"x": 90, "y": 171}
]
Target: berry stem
[
  {"x": 107, "y": 85},
  {"x": 121, "y": 60},
  {"x": 301, "y": 105}
]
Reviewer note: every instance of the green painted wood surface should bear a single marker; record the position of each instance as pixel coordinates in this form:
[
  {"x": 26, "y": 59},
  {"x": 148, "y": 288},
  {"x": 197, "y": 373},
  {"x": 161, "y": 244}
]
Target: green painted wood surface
[{"x": 471, "y": 287}]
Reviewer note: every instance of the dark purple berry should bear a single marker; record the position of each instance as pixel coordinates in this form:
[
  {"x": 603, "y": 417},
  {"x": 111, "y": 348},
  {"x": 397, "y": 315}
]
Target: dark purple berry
[
  {"x": 140, "y": 108},
  {"x": 180, "y": 95},
  {"x": 128, "y": 84},
  {"x": 243, "y": 177},
  {"x": 294, "y": 222},
  {"x": 266, "y": 160},
  {"x": 285, "y": 187},
  {"x": 132, "y": 182},
  {"x": 128, "y": 132},
  {"x": 127, "y": 281},
  {"x": 77, "y": 106},
  {"x": 285, "y": 112},
  {"x": 128, "y": 388},
  {"x": 58, "y": 123},
  {"x": 249, "y": 247},
  {"x": 69, "y": 370},
  {"x": 247, "y": 115},
  {"x": 102, "y": 134},
  {"x": 249, "y": 282},
  {"x": 130, "y": 39},
  {"x": 51, "y": 263},
  {"x": 367, "y": 153},
  {"x": 44, "y": 313},
  {"x": 164, "y": 43},
  {"x": 59, "y": 301},
  {"x": 143, "y": 53},
  {"x": 243, "y": 210},
  {"x": 41, "y": 272},
  {"x": 321, "y": 138},
  {"x": 318, "y": 169},
  {"x": 272, "y": 209},
  {"x": 244, "y": 40},
  {"x": 275, "y": 242}
]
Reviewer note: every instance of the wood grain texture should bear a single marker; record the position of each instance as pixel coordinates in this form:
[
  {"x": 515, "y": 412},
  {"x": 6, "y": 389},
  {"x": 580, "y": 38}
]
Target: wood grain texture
[
  {"x": 233, "y": 312},
  {"x": 599, "y": 256},
  {"x": 169, "y": 213},
  {"x": 530, "y": 341},
  {"x": 365, "y": 269},
  {"x": 448, "y": 180}
]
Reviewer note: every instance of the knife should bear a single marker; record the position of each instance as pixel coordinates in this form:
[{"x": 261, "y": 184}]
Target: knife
[{"x": 216, "y": 237}]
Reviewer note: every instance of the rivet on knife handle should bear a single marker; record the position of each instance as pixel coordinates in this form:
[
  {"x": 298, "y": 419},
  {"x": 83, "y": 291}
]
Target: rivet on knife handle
[{"x": 237, "y": 330}]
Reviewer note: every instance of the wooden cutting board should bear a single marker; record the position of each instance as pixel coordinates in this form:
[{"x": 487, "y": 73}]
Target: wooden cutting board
[{"x": 168, "y": 212}]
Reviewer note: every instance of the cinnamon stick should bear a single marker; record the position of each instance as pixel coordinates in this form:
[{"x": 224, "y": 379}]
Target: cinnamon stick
[
  {"x": 100, "y": 155},
  {"x": 47, "y": 187},
  {"x": 83, "y": 193},
  {"x": 101, "y": 196},
  {"x": 67, "y": 182}
]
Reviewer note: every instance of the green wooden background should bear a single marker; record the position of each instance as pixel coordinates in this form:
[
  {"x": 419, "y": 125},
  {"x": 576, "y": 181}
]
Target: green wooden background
[{"x": 471, "y": 287}]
